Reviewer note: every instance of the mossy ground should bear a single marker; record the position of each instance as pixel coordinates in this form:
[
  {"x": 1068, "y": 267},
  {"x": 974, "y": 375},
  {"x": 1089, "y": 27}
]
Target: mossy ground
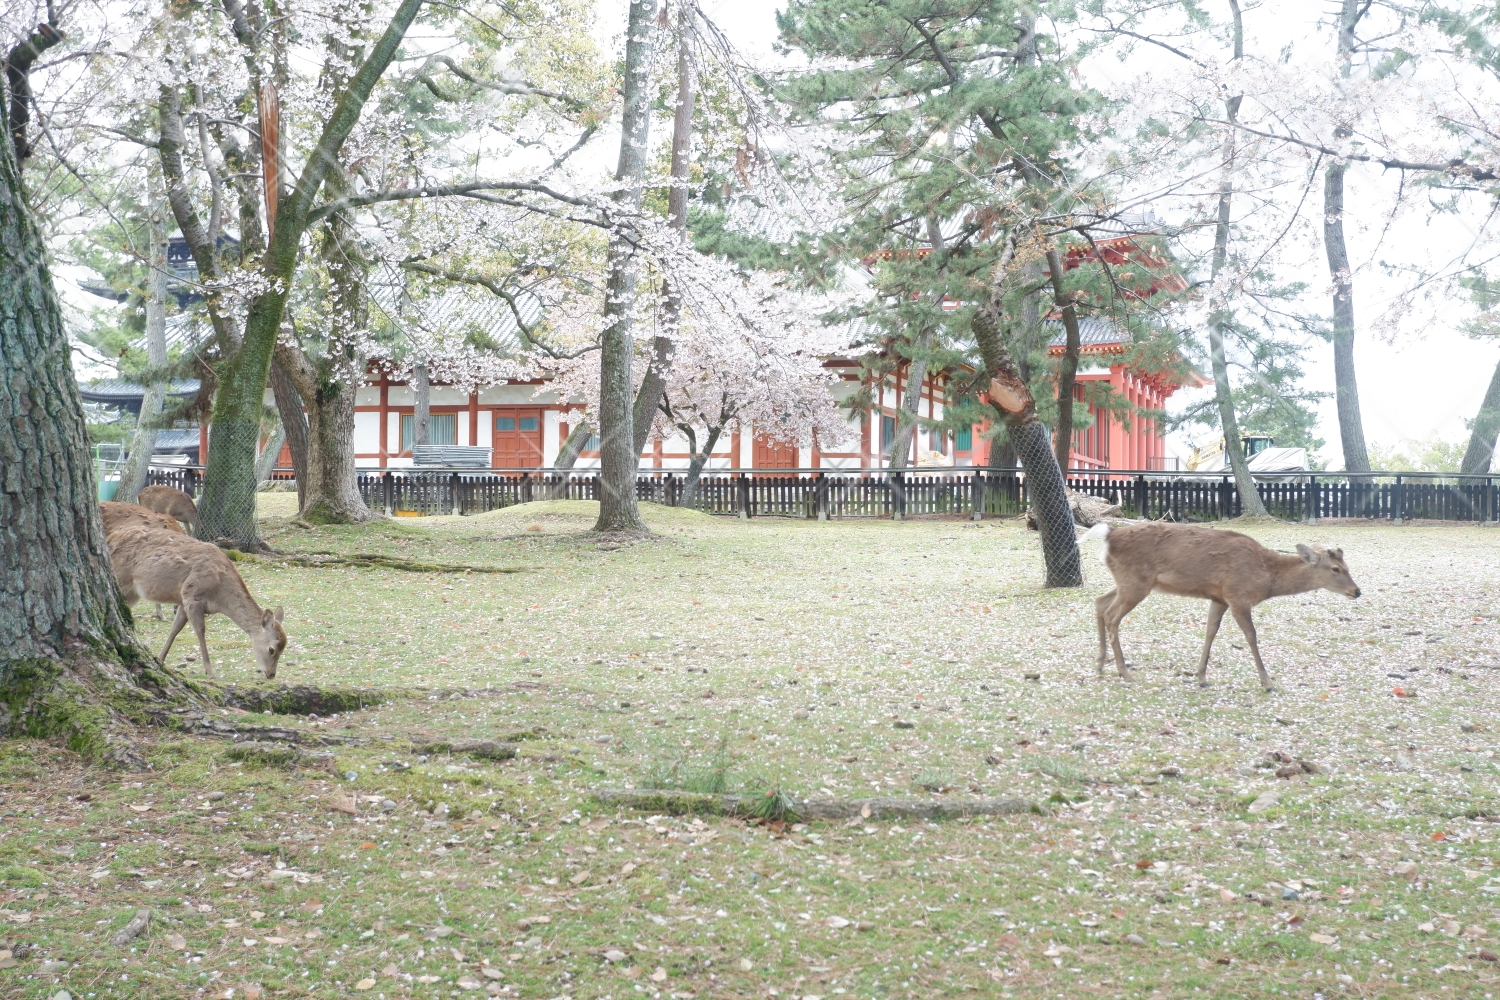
[{"x": 791, "y": 650}]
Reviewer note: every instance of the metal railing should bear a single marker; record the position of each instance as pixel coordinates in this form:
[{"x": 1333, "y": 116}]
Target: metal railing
[{"x": 972, "y": 492}]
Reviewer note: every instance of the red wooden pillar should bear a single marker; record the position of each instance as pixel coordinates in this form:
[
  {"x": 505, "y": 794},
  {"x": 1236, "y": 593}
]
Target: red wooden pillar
[{"x": 473, "y": 418}]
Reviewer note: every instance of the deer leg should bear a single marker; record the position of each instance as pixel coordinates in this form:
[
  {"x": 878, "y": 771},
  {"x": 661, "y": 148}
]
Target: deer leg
[
  {"x": 177, "y": 623},
  {"x": 1242, "y": 618},
  {"x": 1124, "y": 604},
  {"x": 1101, "y": 610},
  {"x": 1216, "y": 611},
  {"x": 158, "y": 616},
  {"x": 196, "y": 613}
]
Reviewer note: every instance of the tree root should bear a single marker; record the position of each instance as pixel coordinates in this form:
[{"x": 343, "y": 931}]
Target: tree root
[
  {"x": 678, "y": 803},
  {"x": 301, "y": 699},
  {"x": 374, "y": 560}
]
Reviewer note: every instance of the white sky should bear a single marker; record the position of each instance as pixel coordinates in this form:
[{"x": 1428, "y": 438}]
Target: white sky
[{"x": 1423, "y": 385}]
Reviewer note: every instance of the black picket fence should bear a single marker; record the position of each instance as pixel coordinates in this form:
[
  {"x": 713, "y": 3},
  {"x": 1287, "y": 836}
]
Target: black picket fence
[{"x": 839, "y": 493}]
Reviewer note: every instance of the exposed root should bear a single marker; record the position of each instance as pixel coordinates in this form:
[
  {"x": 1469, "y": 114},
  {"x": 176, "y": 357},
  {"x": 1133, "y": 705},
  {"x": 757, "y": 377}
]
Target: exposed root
[
  {"x": 678, "y": 803},
  {"x": 373, "y": 560},
  {"x": 302, "y": 699}
]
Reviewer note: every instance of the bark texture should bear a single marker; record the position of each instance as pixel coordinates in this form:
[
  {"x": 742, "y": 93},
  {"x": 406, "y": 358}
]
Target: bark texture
[
  {"x": 1067, "y": 366},
  {"x": 663, "y": 348},
  {"x": 293, "y": 422},
  {"x": 1346, "y": 384},
  {"x": 421, "y": 409},
  {"x": 619, "y": 453},
  {"x": 69, "y": 664},
  {"x": 1044, "y": 479},
  {"x": 1481, "y": 450},
  {"x": 227, "y": 507}
]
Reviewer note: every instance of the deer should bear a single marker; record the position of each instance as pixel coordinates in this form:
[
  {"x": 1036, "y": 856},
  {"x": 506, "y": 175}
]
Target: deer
[
  {"x": 1233, "y": 572},
  {"x": 124, "y": 515},
  {"x": 171, "y": 567},
  {"x": 169, "y": 501},
  {"x": 120, "y": 515}
]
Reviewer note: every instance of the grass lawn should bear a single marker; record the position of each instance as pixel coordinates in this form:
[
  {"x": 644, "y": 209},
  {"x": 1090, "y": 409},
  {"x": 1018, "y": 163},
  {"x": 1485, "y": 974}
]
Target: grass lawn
[{"x": 843, "y": 658}]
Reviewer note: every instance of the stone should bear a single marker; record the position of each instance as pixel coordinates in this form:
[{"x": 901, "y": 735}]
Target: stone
[
  {"x": 365, "y": 984},
  {"x": 800, "y": 714},
  {"x": 1265, "y": 800},
  {"x": 1485, "y": 955},
  {"x": 1290, "y": 895},
  {"x": 1322, "y": 939},
  {"x": 1408, "y": 870},
  {"x": 746, "y": 965},
  {"x": 1136, "y": 940},
  {"x": 51, "y": 967},
  {"x": 132, "y": 930},
  {"x": 615, "y": 955}
]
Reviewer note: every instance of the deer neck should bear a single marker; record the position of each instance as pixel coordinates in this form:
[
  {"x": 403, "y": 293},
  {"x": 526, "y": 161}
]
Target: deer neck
[
  {"x": 239, "y": 607},
  {"x": 1292, "y": 575}
]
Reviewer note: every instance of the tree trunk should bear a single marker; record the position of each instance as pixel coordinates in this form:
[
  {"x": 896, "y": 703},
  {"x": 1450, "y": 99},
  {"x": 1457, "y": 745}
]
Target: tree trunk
[
  {"x": 267, "y": 460},
  {"x": 1345, "y": 384},
  {"x": 332, "y": 495},
  {"x": 421, "y": 409},
  {"x": 911, "y": 400},
  {"x": 1486, "y": 426},
  {"x": 648, "y": 397},
  {"x": 329, "y": 384},
  {"x": 143, "y": 446},
  {"x": 567, "y": 456},
  {"x": 619, "y": 453},
  {"x": 293, "y": 415},
  {"x": 696, "y": 464},
  {"x": 1250, "y": 502},
  {"x": 1045, "y": 487},
  {"x": 69, "y": 663},
  {"x": 1067, "y": 368},
  {"x": 227, "y": 507}
]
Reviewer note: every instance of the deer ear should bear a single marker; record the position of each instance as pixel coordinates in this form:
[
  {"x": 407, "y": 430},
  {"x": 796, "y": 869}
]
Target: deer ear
[
  {"x": 1306, "y": 553},
  {"x": 278, "y": 614},
  {"x": 267, "y": 617},
  {"x": 1336, "y": 553}
]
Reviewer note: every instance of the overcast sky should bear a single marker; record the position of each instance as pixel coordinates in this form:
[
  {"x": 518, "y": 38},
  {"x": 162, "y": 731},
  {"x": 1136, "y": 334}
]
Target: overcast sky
[{"x": 1423, "y": 384}]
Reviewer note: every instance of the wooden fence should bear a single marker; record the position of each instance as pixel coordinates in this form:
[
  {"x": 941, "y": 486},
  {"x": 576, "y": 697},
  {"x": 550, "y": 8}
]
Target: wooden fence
[{"x": 831, "y": 493}]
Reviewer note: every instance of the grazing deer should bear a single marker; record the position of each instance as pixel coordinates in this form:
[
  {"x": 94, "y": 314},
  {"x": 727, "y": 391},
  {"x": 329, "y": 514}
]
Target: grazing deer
[
  {"x": 123, "y": 515},
  {"x": 1233, "y": 572},
  {"x": 155, "y": 565},
  {"x": 169, "y": 501}
]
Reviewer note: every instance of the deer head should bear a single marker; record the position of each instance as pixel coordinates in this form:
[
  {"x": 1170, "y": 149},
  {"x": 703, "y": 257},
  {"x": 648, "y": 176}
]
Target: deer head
[
  {"x": 269, "y": 642},
  {"x": 1328, "y": 570}
]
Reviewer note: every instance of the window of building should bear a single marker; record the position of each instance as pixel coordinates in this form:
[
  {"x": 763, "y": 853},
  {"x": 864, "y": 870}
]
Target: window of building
[
  {"x": 963, "y": 439},
  {"x": 592, "y": 444},
  {"x": 887, "y": 435},
  {"x": 442, "y": 428},
  {"x": 938, "y": 442}
]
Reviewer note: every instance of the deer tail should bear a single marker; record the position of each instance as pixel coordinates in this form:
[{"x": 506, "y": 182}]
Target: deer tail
[{"x": 1100, "y": 532}]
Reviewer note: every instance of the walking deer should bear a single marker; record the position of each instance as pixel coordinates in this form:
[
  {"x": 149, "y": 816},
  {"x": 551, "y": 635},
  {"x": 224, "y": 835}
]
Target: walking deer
[
  {"x": 155, "y": 565},
  {"x": 1233, "y": 572},
  {"x": 169, "y": 501}
]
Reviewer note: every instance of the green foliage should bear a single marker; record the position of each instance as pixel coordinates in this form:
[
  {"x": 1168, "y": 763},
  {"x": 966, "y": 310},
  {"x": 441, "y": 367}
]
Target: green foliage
[
  {"x": 1432, "y": 455},
  {"x": 1266, "y": 366}
]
